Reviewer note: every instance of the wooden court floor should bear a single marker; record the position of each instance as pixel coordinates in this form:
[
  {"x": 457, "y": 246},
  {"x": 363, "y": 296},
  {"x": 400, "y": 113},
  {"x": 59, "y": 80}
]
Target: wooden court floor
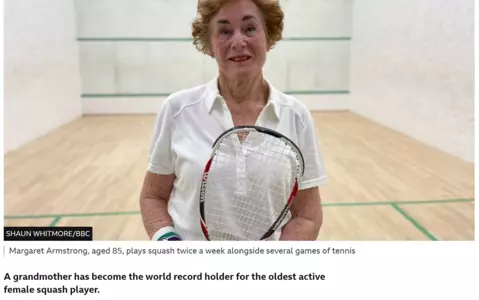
[{"x": 382, "y": 185}]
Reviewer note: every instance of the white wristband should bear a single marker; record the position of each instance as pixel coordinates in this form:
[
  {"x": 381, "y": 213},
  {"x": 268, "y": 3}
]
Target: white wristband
[{"x": 166, "y": 233}]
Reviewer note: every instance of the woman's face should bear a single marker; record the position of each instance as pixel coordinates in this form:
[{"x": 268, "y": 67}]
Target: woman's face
[{"x": 238, "y": 39}]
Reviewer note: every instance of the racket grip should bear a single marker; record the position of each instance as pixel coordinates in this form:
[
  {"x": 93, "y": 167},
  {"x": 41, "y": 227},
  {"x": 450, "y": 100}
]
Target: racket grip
[{"x": 166, "y": 234}]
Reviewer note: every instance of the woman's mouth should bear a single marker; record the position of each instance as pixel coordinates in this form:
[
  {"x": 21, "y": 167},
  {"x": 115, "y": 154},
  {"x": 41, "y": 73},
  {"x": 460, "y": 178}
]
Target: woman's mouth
[{"x": 240, "y": 59}]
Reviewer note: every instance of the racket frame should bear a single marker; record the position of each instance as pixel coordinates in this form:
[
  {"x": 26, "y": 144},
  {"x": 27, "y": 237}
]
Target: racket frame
[{"x": 207, "y": 168}]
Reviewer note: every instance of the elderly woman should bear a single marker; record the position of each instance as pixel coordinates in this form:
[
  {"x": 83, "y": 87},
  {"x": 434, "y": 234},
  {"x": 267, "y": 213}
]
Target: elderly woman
[{"x": 238, "y": 34}]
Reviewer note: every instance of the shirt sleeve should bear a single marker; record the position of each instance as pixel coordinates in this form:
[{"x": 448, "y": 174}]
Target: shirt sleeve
[
  {"x": 314, "y": 170},
  {"x": 161, "y": 158}
]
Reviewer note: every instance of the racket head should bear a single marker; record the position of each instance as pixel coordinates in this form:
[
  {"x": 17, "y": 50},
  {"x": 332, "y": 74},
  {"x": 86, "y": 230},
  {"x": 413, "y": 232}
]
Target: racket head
[{"x": 249, "y": 183}]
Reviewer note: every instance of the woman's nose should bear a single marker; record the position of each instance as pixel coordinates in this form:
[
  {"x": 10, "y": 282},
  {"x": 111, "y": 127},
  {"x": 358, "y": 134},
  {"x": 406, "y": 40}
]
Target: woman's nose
[{"x": 239, "y": 41}]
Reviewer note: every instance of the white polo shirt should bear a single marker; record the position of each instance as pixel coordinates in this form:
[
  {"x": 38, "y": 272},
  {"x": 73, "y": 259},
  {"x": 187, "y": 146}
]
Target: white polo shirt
[{"x": 188, "y": 124}]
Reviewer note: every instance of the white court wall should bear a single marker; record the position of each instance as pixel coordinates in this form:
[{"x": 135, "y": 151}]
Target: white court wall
[
  {"x": 134, "y": 53},
  {"x": 412, "y": 69},
  {"x": 41, "y": 72}
]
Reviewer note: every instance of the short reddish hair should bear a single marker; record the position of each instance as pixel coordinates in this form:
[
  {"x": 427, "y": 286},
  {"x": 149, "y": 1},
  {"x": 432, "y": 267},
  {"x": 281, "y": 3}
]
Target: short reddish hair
[{"x": 272, "y": 13}]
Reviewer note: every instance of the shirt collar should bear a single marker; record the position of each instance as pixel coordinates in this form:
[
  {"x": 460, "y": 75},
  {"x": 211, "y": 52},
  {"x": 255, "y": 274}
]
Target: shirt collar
[{"x": 213, "y": 97}]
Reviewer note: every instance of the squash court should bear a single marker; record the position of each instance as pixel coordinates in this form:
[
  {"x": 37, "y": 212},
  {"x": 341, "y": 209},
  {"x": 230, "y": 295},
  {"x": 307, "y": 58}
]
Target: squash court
[{"x": 389, "y": 85}]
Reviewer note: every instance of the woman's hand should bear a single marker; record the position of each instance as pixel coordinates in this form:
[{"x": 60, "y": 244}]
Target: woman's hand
[{"x": 307, "y": 217}]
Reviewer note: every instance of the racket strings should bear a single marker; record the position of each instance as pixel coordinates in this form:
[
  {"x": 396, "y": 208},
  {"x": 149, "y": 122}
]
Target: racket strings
[
  {"x": 249, "y": 183},
  {"x": 248, "y": 224},
  {"x": 249, "y": 210},
  {"x": 235, "y": 204}
]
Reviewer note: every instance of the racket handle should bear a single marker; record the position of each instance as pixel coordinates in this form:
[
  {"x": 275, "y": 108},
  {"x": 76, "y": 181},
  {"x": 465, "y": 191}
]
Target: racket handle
[{"x": 166, "y": 234}]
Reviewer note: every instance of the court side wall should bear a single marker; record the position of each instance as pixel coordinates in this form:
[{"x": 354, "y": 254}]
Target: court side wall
[
  {"x": 412, "y": 69},
  {"x": 42, "y": 83},
  {"x": 134, "y": 53}
]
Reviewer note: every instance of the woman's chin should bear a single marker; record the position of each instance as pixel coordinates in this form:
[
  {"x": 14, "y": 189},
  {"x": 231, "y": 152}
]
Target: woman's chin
[{"x": 244, "y": 71}]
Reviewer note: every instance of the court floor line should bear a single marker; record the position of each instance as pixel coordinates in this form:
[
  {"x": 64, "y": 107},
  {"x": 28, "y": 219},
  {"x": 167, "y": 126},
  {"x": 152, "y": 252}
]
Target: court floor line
[
  {"x": 135, "y": 212},
  {"x": 55, "y": 221},
  {"x": 414, "y": 222}
]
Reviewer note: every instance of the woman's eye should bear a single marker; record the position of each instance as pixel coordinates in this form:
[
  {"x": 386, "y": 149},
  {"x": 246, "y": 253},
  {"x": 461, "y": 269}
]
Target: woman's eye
[{"x": 225, "y": 31}]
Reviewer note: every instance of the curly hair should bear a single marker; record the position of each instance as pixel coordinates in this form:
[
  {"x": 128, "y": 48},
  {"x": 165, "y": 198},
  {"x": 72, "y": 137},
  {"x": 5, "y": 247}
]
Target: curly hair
[{"x": 272, "y": 13}]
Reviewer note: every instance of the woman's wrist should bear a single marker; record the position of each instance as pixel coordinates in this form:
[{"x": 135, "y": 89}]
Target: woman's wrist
[{"x": 167, "y": 233}]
